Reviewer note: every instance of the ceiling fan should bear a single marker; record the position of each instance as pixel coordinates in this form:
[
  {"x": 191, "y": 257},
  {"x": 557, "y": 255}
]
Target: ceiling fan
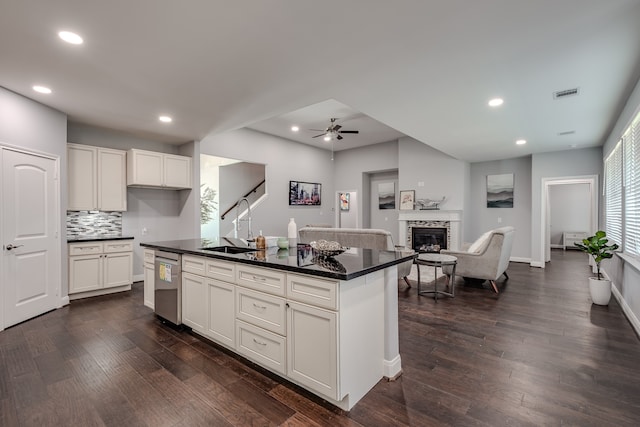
[{"x": 334, "y": 131}]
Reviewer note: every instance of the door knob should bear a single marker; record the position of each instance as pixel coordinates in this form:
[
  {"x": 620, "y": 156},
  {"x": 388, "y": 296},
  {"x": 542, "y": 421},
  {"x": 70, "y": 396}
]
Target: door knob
[{"x": 10, "y": 246}]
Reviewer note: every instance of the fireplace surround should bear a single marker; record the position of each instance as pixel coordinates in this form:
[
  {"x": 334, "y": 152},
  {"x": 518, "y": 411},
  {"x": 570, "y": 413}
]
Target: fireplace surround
[{"x": 431, "y": 219}]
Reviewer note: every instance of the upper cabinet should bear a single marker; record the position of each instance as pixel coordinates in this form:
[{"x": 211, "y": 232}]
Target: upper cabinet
[
  {"x": 151, "y": 169},
  {"x": 96, "y": 178}
]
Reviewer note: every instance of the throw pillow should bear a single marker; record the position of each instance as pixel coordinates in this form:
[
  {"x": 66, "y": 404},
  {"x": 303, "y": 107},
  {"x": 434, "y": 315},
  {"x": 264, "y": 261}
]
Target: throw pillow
[{"x": 482, "y": 242}]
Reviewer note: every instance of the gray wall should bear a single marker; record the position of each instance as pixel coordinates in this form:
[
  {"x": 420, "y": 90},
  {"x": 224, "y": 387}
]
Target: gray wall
[
  {"x": 625, "y": 273},
  {"x": 479, "y": 218},
  {"x": 570, "y": 210},
  {"x": 285, "y": 160},
  {"x": 582, "y": 162},
  {"x": 165, "y": 214},
  {"x": 31, "y": 125}
]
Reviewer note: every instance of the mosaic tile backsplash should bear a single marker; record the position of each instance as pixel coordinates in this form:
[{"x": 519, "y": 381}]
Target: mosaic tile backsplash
[{"x": 94, "y": 223}]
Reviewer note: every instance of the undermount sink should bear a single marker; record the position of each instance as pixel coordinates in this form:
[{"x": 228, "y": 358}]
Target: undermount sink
[{"x": 229, "y": 249}]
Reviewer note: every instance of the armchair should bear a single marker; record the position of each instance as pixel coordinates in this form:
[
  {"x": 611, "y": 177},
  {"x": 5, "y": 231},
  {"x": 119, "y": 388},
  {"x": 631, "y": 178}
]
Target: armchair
[
  {"x": 487, "y": 258},
  {"x": 368, "y": 238}
]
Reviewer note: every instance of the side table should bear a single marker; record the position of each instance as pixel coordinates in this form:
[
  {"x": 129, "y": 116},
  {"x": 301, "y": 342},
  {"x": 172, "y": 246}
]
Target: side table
[{"x": 435, "y": 261}]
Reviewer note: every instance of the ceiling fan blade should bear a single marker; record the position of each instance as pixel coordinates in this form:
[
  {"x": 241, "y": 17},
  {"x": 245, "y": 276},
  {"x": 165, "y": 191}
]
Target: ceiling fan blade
[
  {"x": 339, "y": 138},
  {"x": 337, "y": 127},
  {"x": 349, "y": 131},
  {"x": 322, "y": 134}
]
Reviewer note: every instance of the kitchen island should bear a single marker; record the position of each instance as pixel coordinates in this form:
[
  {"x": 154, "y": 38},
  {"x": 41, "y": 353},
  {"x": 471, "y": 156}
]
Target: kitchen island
[{"x": 329, "y": 325}]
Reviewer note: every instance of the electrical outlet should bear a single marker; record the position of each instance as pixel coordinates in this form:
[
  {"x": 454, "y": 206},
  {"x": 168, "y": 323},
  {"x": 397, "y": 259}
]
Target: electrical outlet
[
  {"x": 144, "y": 231},
  {"x": 420, "y": 183}
]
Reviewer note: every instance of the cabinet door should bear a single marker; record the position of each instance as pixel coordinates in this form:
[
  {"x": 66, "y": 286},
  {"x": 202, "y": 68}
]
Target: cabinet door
[
  {"x": 312, "y": 357},
  {"x": 177, "y": 171},
  {"x": 85, "y": 273},
  {"x": 112, "y": 180},
  {"x": 118, "y": 269},
  {"x": 149, "y": 285},
  {"x": 144, "y": 168},
  {"x": 194, "y": 302},
  {"x": 221, "y": 312},
  {"x": 81, "y": 177}
]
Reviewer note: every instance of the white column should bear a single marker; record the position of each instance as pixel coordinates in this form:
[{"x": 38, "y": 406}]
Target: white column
[{"x": 392, "y": 362}]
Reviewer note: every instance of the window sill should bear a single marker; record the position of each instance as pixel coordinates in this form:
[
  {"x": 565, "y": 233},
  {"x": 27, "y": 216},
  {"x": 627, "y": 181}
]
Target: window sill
[{"x": 632, "y": 260}]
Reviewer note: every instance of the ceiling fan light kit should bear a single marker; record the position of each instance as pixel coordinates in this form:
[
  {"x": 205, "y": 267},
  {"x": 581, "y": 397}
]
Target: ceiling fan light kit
[{"x": 333, "y": 132}]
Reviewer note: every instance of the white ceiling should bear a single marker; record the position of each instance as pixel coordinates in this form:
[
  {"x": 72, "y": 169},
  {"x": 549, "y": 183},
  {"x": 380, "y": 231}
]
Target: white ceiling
[{"x": 425, "y": 68}]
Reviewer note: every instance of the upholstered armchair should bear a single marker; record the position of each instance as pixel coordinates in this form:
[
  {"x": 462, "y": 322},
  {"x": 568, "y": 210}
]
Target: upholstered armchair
[
  {"x": 368, "y": 238},
  {"x": 487, "y": 258}
]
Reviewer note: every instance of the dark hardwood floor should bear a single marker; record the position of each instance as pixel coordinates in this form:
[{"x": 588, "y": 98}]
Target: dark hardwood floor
[{"x": 537, "y": 354}]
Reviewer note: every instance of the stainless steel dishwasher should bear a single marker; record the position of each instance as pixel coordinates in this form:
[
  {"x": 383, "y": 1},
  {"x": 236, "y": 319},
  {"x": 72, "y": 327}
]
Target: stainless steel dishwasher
[{"x": 168, "y": 286}]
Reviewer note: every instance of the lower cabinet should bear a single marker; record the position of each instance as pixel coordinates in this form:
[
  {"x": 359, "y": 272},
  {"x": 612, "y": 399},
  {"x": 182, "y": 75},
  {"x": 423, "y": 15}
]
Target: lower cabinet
[
  {"x": 222, "y": 312},
  {"x": 312, "y": 356},
  {"x": 97, "y": 267},
  {"x": 149, "y": 278},
  {"x": 195, "y": 302}
]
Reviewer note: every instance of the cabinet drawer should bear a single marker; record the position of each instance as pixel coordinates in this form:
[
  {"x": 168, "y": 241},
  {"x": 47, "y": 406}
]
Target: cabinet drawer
[
  {"x": 263, "y": 347},
  {"x": 118, "y": 246},
  {"x": 221, "y": 270},
  {"x": 194, "y": 264},
  {"x": 257, "y": 308},
  {"x": 314, "y": 291},
  {"x": 261, "y": 279},
  {"x": 149, "y": 256},
  {"x": 85, "y": 248}
]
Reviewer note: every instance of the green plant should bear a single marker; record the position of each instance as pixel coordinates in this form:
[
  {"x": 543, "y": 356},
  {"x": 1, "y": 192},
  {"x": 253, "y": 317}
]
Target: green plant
[{"x": 597, "y": 247}]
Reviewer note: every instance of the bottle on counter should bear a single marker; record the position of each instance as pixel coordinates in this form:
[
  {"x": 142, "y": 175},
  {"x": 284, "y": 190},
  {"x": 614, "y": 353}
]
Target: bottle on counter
[
  {"x": 261, "y": 241},
  {"x": 292, "y": 233}
]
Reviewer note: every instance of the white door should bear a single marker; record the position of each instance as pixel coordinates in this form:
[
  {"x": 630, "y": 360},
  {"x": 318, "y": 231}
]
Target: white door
[{"x": 29, "y": 229}]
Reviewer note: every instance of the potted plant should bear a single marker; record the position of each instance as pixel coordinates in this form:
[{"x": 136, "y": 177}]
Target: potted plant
[{"x": 597, "y": 246}]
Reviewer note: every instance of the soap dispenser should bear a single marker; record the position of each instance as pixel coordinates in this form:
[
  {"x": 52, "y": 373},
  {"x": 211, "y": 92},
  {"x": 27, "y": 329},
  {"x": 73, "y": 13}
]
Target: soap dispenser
[{"x": 261, "y": 242}]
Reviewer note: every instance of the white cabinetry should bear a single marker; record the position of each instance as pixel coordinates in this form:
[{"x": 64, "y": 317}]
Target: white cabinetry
[
  {"x": 194, "y": 302},
  {"x": 149, "y": 278},
  {"x": 151, "y": 169},
  {"x": 97, "y": 268},
  {"x": 571, "y": 237},
  {"x": 96, "y": 178}
]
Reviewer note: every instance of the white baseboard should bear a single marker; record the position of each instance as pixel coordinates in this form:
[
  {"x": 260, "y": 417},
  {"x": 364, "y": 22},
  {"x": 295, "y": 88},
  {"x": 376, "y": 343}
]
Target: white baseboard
[
  {"x": 556, "y": 246},
  {"x": 520, "y": 259},
  {"x": 138, "y": 277},
  {"x": 392, "y": 368},
  {"x": 64, "y": 301},
  {"x": 635, "y": 323},
  {"x": 536, "y": 264}
]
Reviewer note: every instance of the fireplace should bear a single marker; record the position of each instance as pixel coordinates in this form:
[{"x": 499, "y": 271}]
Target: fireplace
[
  {"x": 451, "y": 221},
  {"x": 429, "y": 239}
]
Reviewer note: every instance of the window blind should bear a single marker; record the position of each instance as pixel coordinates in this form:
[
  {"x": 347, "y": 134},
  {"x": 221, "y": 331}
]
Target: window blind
[
  {"x": 631, "y": 143},
  {"x": 613, "y": 194}
]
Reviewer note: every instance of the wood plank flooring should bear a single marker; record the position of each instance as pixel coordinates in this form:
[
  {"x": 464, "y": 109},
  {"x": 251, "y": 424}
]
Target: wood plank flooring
[{"x": 537, "y": 354}]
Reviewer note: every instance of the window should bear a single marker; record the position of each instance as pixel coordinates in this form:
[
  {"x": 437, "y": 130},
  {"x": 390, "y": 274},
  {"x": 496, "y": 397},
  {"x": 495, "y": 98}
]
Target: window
[
  {"x": 622, "y": 190},
  {"x": 613, "y": 194}
]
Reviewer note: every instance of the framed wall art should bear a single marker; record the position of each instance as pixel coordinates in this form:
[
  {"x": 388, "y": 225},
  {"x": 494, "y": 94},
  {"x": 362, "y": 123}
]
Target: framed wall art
[
  {"x": 344, "y": 201},
  {"x": 304, "y": 193},
  {"x": 407, "y": 199},
  {"x": 500, "y": 191},
  {"x": 386, "y": 195}
]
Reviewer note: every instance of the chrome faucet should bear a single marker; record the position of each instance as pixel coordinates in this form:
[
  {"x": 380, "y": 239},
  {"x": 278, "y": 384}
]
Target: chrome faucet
[{"x": 238, "y": 203}]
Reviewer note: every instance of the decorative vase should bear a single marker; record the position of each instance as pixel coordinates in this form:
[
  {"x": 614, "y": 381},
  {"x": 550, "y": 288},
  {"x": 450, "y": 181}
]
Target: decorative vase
[
  {"x": 600, "y": 290},
  {"x": 292, "y": 233}
]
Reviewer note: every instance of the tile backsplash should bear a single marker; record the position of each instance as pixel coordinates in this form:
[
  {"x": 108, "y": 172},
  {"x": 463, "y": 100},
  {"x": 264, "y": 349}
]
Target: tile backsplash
[{"x": 94, "y": 223}]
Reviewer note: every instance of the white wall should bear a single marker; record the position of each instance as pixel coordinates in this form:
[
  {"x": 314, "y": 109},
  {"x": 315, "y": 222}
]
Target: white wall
[
  {"x": 581, "y": 162},
  {"x": 480, "y": 218},
  {"x": 570, "y": 210},
  {"x": 285, "y": 160},
  {"x": 31, "y": 125},
  {"x": 236, "y": 180}
]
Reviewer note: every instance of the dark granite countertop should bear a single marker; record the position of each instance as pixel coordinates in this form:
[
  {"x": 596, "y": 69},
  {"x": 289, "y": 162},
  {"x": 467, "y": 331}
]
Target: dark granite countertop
[
  {"x": 80, "y": 239},
  {"x": 351, "y": 264}
]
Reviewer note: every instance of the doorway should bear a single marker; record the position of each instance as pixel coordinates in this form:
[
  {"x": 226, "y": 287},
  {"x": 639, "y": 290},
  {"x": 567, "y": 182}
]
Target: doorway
[
  {"x": 588, "y": 185},
  {"x": 30, "y": 268}
]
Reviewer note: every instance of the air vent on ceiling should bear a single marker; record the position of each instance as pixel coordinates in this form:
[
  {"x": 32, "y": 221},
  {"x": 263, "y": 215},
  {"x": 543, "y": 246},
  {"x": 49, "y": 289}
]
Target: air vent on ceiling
[
  {"x": 567, "y": 132},
  {"x": 565, "y": 93}
]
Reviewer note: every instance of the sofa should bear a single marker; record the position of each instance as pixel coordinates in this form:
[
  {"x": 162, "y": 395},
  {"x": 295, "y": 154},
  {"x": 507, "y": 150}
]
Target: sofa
[
  {"x": 367, "y": 238},
  {"x": 487, "y": 258}
]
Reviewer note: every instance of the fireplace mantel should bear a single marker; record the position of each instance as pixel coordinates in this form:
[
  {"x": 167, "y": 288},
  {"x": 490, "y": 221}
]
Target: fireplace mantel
[{"x": 454, "y": 218}]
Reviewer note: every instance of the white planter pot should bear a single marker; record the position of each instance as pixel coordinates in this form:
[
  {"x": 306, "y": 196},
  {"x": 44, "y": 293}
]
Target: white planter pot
[{"x": 600, "y": 290}]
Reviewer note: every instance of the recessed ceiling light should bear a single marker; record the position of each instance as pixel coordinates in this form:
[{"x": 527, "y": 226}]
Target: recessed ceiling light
[
  {"x": 70, "y": 37},
  {"x": 295, "y": 128},
  {"x": 496, "y": 102},
  {"x": 165, "y": 119},
  {"x": 521, "y": 141},
  {"x": 42, "y": 89}
]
